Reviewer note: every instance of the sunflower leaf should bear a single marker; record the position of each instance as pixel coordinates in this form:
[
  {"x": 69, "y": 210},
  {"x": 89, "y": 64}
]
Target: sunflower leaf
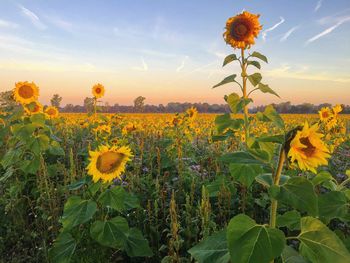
[
  {"x": 255, "y": 78},
  {"x": 229, "y": 59},
  {"x": 266, "y": 89},
  {"x": 226, "y": 80},
  {"x": 259, "y": 56}
]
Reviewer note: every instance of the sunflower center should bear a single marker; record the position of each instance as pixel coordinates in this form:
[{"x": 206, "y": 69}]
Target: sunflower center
[
  {"x": 239, "y": 30},
  {"x": 325, "y": 114},
  {"x": 51, "y": 112},
  {"x": 98, "y": 90},
  {"x": 310, "y": 149},
  {"x": 108, "y": 162},
  {"x": 26, "y": 92}
]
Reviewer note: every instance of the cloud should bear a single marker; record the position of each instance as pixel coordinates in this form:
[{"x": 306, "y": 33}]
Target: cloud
[
  {"x": 7, "y": 24},
  {"x": 288, "y": 33},
  {"x": 33, "y": 18},
  {"x": 264, "y": 33},
  {"x": 327, "y": 31},
  {"x": 143, "y": 68},
  {"x": 318, "y": 5},
  {"x": 303, "y": 72},
  {"x": 60, "y": 23},
  {"x": 182, "y": 65}
]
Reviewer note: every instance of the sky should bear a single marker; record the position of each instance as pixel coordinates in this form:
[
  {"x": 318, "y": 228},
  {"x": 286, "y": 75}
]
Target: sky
[{"x": 172, "y": 50}]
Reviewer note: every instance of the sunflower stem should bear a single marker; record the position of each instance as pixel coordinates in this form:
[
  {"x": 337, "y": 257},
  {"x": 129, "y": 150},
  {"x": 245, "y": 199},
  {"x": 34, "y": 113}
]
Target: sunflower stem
[
  {"x": 276, "y": 181},
  {"x": 244, "y": 90}
]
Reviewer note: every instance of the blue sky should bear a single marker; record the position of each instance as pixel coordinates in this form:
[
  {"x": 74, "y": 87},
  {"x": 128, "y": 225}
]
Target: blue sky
[{"x": 170, "y": 50}]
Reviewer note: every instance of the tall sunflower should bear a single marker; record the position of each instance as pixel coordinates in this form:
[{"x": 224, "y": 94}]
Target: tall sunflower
[
  {"x": 33, "y": 108},
  {"x": 51, "y": 112},
  {"x": 307, "y": 150},
  {"x": 192, "y": 113},
  {"x": 242, "y": 29},
  {"x": 107, "y": 163},
  {"x": 26, "y": 92},
  {"x": 336, "y": 109},
  {"x": 98, "y": 90},
  {"x": 325, "y": 113}
]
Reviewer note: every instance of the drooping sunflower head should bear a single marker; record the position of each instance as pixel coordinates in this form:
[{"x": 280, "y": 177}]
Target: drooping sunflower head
[
  {"x": 51, "y": 112},
  {"x": 192, "y": 113},
  {"x": 336, "y": 109},
  {"x": 307, "y": 150},
  {"x": 26, "y": 92},
  {"x": 108, "y": 163},
  {"x": 33, "y": 108},
  {"x": 242, "y": 29},
  {"x": 98, "y": 90},
  {"x": 325, "y": 113}
]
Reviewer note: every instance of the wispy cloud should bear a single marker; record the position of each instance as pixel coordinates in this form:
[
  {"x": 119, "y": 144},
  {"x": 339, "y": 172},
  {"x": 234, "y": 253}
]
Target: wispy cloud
[
  {"x": 264, "y": 33},
  {"x": 288, "y": 33},
  {"x": 7, "y": 24},
  {"x": 182, "y": 65},
  {"x": 327, "y": 31},
  {"x": 32, "y": 17},
  {"x": 318, "y": 5},
  {"x": 60, "y": 23},
  {"x": 144, "y": 66}
]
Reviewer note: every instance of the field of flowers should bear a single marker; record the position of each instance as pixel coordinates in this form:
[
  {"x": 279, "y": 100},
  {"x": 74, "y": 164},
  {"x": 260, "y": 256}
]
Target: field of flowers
[{"x": 184, "y": 187}]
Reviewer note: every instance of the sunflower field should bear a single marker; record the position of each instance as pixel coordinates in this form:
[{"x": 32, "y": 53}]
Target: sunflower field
[{"x": 185, "y": 187}]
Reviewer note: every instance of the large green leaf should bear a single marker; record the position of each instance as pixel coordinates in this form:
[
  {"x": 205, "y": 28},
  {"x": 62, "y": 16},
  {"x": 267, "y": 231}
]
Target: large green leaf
[
  {"x": 290, "y": 255},
  {"x": 259, "y": 56},
  {"x": 333, "y": 205},
  {"x": 290, "y": 219},
  {"x": 255, "y": 78},
  {"x": 237, "y": 103},
  {"x": 63, "y": 248},
  {"x": 136, "y": 245},
  {"x": 223, "y": 122},
  {"x": 226, "y": 80},
  {"x": 270, "y": 115},
  {"x": 322, "y": 177},
  {"x": 254, "y": 63},
  {"x": 212, "y": 249},
  {"x": 110, "y": 233},
  {"x": 113, "y": 197},
  {"x": 77, "y": 211},
  {"x": 249, "y": 242},
  {"x": 266, "y": 89},
  {"x": 267, "y": 180},
  {"x": 229, "y": 59},
  {"x": 240, "y": 158},
  {"x": 245, "y": 173},
  {"x": 299, "y": 193},
  {"x": 319, "y": 244}
]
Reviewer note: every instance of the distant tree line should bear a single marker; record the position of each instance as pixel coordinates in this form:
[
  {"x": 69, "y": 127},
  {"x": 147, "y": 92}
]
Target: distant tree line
[
  {"x": 139, "y": 106},
  {"x": 173, "y": 107}
]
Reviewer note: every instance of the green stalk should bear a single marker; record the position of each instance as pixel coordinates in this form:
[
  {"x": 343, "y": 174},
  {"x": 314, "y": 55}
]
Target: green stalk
[
  {"x": 244, "y": 90},
  {"x": 276, "y": 181}
]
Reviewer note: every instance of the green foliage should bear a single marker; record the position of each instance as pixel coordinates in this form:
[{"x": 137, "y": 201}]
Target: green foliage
[
  {"x": 64, "y": 248},
  {"x": 245, "y": 173},
  {"x": 249, "y": 242},
  {"x": 226, "y": 80},
  {"x": 299, "y": 193},
  {"x": 77, "y": 211},
  {"x": 212, "y": 250},
  {"x": 319, "y": 244},
  {"x": 229, "y": 59}
]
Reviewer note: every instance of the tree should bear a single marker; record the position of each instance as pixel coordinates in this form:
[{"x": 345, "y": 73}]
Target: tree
[
  {"x": 89, "y": 104},
  {"x": 139, "y": 103},
  {"x": 56, "y": 100}
]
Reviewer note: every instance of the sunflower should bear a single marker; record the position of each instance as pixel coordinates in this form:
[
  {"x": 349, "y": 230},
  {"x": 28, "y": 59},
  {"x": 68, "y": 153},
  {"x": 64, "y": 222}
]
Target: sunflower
[
  {"x": 192, "y": 113},
  {"x": 336, "y": 109},
  {"x": 325, "y": 113},
  {"x": 51, "y": 112},
  {"x": 26, "y": 92},
  {"x": 98, "y": 90},
  {"x": 242, "y": 29},
  {"x": 33, "y": 108},
  {"x": 307, "y": 149},
  {"x": 107, "y": 163}
]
